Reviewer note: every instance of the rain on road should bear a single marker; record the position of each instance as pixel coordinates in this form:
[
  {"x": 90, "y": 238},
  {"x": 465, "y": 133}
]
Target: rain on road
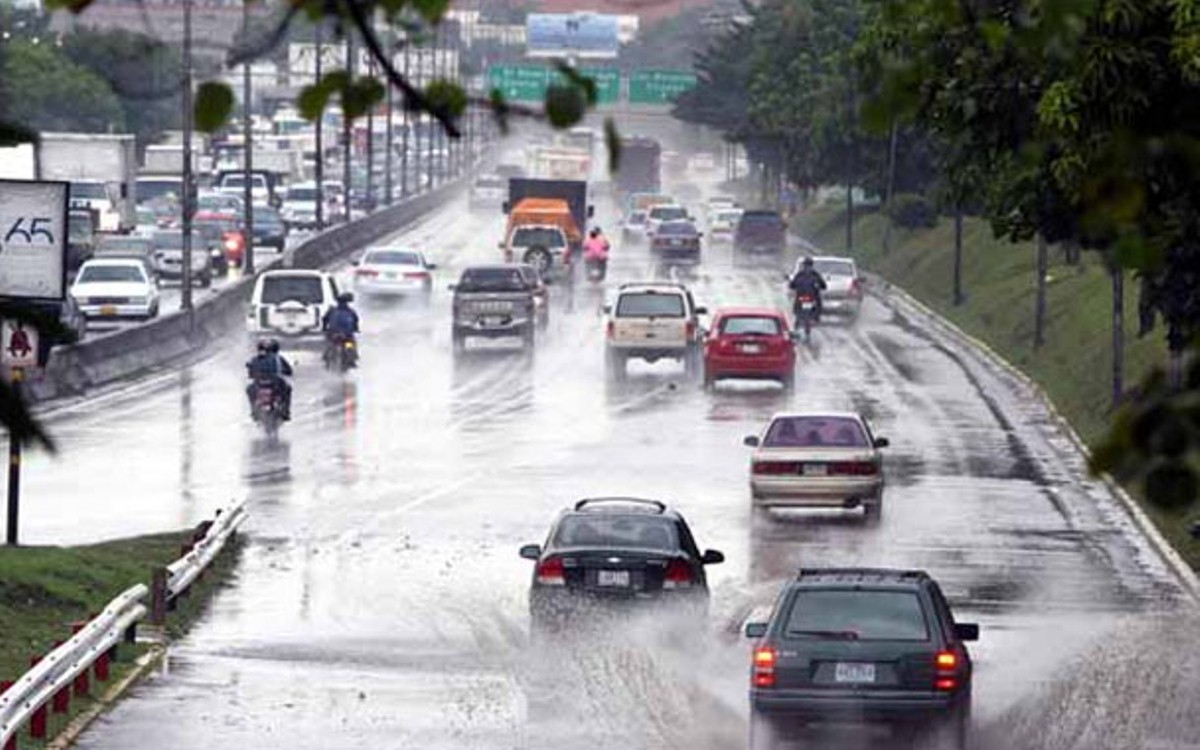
[{"x": 380, "y": 600}]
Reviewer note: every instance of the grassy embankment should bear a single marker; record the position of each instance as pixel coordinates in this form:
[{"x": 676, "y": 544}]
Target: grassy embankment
[
  {"x": 1074, "y": 367},
  {"x": 43, "y": 590}
]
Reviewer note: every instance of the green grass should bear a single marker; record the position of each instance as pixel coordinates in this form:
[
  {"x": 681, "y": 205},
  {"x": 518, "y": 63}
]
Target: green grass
[
  {"x": 43, "y": 590},
  {"x": 1075, "y": 365}
]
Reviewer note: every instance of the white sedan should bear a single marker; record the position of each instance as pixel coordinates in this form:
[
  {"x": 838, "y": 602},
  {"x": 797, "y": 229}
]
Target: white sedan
[
  {"x": 393, "y": 271},
  {"x": 723, "y": 223},
  {"x": 817, "y": 460},
  {"x": 115, "y": 288}
]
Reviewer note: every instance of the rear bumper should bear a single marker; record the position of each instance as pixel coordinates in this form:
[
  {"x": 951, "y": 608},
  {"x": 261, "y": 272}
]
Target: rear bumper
[
  {"x": 560, "y": 605},
  {"x": 649, "y": 354},
  {"x": 515, "y": 327},
  {"x": 748, "y": 367},
  {"x": 397, "y": 287},
  {"x": 812, "y": 493},
  {"x": 116, "y": 312},
  {"x": 845, "y": 706},
  {"x": 844, "y": 305},
  {"x": 760, "y": 248}
]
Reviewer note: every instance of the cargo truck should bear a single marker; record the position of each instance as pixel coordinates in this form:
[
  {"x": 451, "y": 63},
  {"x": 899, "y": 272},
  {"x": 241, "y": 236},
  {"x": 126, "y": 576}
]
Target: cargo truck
[
  {"x": 546, "y": 223},
  {"x": 102, "y": 170}
]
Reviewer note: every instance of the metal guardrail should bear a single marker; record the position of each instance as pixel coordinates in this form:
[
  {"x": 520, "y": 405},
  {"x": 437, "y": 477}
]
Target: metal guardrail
[
  {"x": 174, "y": 580},
  {"x": 59, "y": 671}
]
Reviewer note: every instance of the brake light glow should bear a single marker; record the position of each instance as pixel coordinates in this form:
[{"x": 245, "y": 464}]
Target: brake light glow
[
  {"x": 369, "y": 273},
  {"x": 678, "y": 575},
  {"x": 611, "y": 330},
  {"x": 690, "y": 331},
  {"x": 854, "y": 469},
  {"x": 551, "y": 572},
  {"x": 764, "y": 667},
  {"x": 947, "y": 661},
  {"x": 946, "y": 683},
  {"x": 231, "y": 244},
  {"x": 856, "y": 288},
  {"x": 947, "y": 669},
  {"x": 776, "y": 467}
]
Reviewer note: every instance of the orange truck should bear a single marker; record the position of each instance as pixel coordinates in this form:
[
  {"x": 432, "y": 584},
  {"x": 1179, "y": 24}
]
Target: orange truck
[{"x": 545, "y": 223}]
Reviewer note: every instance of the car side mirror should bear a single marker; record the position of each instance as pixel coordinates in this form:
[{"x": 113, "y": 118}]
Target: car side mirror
[
  {"x": 750, "y": 441},
  {"x": 531, "y": 551},
  {"x": 431, "y": 266},
  {"x": 756, "y": 630},
  {"x": 966, "y": 631},
  {"x": 882, "y": 442},
  {"x": 356, "y": 263},
  {"x": 608, "y": 309},
  {"x": 591, "y": 211},
  {"x": 712, "y": 557},
  {"x": 504, "y": 207},
  {"x": 702, "y": 311}
]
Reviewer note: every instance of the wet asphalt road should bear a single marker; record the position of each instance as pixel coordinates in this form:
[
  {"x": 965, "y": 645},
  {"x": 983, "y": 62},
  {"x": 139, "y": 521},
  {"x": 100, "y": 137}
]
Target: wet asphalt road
[{"x": 380, "y": 601}]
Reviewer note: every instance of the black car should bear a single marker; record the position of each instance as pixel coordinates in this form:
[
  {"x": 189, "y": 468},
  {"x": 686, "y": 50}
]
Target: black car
[
  {"x": 613, "y": 551},
  {"x": 861, "y": 645},
  {"x": 677, "y": 243},
  {"x": 81, "y": 238},
  {"x": 760, "y": 232},
  {"x": 269, "y": 230}
]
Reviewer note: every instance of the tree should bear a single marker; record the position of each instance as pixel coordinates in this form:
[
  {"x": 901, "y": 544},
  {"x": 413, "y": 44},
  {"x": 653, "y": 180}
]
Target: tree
[{"x": 45, "y": 91}]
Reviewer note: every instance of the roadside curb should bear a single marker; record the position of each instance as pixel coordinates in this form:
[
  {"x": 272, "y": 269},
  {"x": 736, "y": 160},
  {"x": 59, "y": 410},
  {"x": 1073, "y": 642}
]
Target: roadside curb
[
  {"x": 145, "y": 663},
  {"x": 895, "y": 297}
]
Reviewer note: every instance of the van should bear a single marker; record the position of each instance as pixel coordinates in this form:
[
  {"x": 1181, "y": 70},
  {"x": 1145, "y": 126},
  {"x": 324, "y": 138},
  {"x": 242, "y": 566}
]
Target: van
[{"x": 291, "y": 304}]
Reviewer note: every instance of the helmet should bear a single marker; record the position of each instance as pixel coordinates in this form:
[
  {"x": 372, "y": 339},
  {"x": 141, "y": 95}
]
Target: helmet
[
  {"x": 345, "y": 298},
  {"x": 273, "y": 346},
  {"x": 596, "y": 231},
  {"x": 264, "y": 346},
  {"x": 808, "y": 261}
]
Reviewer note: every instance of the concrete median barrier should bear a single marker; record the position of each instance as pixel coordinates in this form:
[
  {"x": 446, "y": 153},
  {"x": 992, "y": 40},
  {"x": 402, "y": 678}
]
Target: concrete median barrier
[{"x": 181, "y": 337}]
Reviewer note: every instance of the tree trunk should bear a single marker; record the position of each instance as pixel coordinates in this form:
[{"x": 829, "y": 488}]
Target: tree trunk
[
  {"x": 849, "y": 218},
  {"x": 1118, "y": 333},
  {"x": 891, "y": 189},
  {"x": 1039, "y": 315},
  {"x": 958, "y": 248}
]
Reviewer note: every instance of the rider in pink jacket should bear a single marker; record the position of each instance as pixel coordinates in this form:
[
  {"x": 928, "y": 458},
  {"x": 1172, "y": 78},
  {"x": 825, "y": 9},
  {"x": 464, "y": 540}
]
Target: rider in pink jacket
[{"x": 595, "y": 247}]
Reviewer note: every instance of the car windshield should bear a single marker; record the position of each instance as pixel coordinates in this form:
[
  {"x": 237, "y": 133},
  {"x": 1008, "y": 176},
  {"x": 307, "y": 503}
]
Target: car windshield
[
  {"x": 123, "y": 245},
  {"x": 617, "y": 532},
  {"x": 174, "y": 240},
  {"x": 761, "y": 218},
  {"x": 303, "y": 289},
  {"x": 266, "y": 216},
  {"x": 88, "y": 190},
  {"x": 307, "y": 193},
  {"x": 217, "y": 202},
  {"x": 148, "y": 190},
  {"x": 681, "y": 228},
  {"x": 538, "y": 237},
  {"x": 857, "y": 614},
  {"x": 668, "y": 213},
  {"x": 392, "y": 257},
  {"x": 650, "y": 305},
  {"x": 238, "y": 180},
  {"x": 105, "y": 273},
  {"x": 491, "y": 280},
  {"x": 79, "y": 227},
  {"x": 750, "y": 326},
  {"x": 827, "y": 267},
  {"x": 816, "y": 432}
]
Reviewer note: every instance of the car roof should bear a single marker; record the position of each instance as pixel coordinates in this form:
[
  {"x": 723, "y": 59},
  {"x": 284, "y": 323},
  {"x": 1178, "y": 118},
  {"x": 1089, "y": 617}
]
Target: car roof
[
  {"x": 818, "y": 415},
  {"x": 668, "y": 205},
  {"x": 114, "y": 261},
  {"x": 491, "y": 267},
  {"x": 293, "y": 273},
  {"x": 622, "y": 506},
  {"x": 637, "y": 287},
  {"x": 748, "y": 312},
  {"x": 860, "y": 576}
]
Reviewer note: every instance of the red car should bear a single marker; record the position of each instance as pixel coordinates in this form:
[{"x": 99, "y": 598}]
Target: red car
[{"x": 750, "y": 343}]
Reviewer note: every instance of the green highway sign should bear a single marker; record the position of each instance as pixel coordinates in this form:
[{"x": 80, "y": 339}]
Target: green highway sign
[
  {"x": 527, "y": 83},
  {"x": 608, "y": 83},
  {"x": 659, "y": 86}
]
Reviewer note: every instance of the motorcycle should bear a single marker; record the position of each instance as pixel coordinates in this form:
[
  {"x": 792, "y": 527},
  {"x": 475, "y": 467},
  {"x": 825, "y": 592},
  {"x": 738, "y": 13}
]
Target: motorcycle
[
  {"x": 597, "y": 269},
  {"x": 807, "y": 313},
  {"x": 341, "y": 353},
  {"x": 268, "y": 410}
]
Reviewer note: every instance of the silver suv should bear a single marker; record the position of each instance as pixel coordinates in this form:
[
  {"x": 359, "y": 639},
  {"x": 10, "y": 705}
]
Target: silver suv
[{"x": 653, "y": 321}]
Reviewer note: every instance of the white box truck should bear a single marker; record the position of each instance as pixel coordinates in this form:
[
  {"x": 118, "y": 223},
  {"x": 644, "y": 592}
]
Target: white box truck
[{"x": 102, "y": 170}]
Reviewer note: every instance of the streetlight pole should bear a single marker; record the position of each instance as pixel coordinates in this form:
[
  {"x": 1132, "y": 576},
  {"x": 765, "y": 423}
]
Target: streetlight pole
[
  {"x": 347, "y": 130},
  {"x": 188, "y": 188},
  {"x": 434, "y": 128},
  {"x": 319, "y": 164},
  {"x": 371, "y": 141},
  {"x": 407, "y": 129},
  {"x": 387, "y": 138},
  {"x": 417, "y": 118},
  {"x": 248, "y": 151}
]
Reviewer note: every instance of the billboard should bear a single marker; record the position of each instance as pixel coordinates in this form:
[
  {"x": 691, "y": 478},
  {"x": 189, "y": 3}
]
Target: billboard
[
  {"x": 33, "y": 239},
  {"x": 590, "y": 35}
]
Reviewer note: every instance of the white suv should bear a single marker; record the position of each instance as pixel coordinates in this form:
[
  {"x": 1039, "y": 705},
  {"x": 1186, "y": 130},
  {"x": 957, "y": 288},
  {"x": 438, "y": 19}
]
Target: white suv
[
  {"x": 653, "y": 321},
  {"x": 291, "y": 304}
]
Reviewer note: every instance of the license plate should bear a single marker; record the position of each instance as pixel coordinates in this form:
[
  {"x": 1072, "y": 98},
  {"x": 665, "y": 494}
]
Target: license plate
[
  {"x": 753, "y": 348},
  {"x": 854, "y": 673},
  {"x": 108, "y": 310},
  {"x": 613, "y": 578},
  {"x": 493, "y": 322},
  {"x": 815, "y": 470},
  {"x": 808, "y": 305},
  {"x": 390, "y": 275}
]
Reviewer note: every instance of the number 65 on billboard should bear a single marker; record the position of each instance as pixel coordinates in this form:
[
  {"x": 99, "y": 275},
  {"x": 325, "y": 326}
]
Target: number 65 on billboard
[{"x": 33, "y": 239}]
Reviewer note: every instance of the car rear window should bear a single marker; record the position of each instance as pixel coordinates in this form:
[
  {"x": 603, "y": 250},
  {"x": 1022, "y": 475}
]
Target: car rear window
[
  {"x": 834, "y": 267},
  {"x": 618, "y": 532},
  {"x": 679, "y": 228},
  {"x": 111, "y": 273},
  {"x": 110, "y": 244},
  {"x": 750, "y": 326},
  {"x": 491, "y": 280},
  {"x": 538, "y": 237},
  {"x": 668, "y": 213},
  {"x": 303, "y": 289},
  {"x": 650, "y": 305},
  {"x": 761, "y": 218},
  {"x": 857, "y": 614},
  {"x": 305, "y": 193},
  {"x": 174, "y": 240},
  {"x": 393, "y": 257},
  {"x": 815, "y": 432}
]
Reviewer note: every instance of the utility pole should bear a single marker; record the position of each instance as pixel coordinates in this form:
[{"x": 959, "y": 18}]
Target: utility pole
[
  {"x": 14, "y": 470},
  {"x": 435, "y": 129},
  {"x": 319, "y": 164},
  {"x": 371, "y": 141},
  {"x": 417, "y": 118},
  {"x": 407, "y": 129},
  {"x": 387, "y": 159},
  {"x": 347, "y": 130},
  {"x": 189, "y": 192},
  {"x": 248, "y": 150}
]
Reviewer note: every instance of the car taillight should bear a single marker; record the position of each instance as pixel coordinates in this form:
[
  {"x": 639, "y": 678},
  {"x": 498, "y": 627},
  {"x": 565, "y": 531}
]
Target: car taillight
[
  {"x": 776, "y": 467},
  {"x": 764, "y": 667},
  {"x": 690, "y": 330},
  {"x": 947, "y": 670},
  {"x": 231, "y": 243},
  {"x": 856, "y": 288},
  {"x": 369, "y": 273},
  {"x": 611, "y": 329},
  {"x": 417, "y": 275},
  {"x": 678, "y": 575},
  {"x": 550, "y": 572},
  {"x": 854, "y": 468}
]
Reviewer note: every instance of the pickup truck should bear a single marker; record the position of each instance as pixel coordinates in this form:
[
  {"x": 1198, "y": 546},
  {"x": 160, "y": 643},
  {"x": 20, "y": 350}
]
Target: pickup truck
[{"x": 492, "y": 302}]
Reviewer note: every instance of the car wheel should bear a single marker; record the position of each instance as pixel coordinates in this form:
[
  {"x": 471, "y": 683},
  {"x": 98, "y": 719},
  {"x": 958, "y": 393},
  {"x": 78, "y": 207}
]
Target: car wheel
[
  {"x": 788, "y": 382},
  {"x": 528, "y": 338},
  {"x": 691, "y": 361},
  {"x": 952, "y": 732},
  {"x": 459, "y": 341},
  {"x": 710, "y": 380},
  {"x": 762, "y": 732},
  {"x": 616, "y": 365},
  {"x": 206, "y": 281},
  {"x": 873, "y": 510},
  {"x": 153, "y": 311}
]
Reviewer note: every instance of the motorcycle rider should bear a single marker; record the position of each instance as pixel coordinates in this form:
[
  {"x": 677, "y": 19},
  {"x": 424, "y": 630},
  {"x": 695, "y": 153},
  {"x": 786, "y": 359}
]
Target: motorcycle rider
[
  {"x": 595, "y": 250},
  {"x": 341, "y": 322},
  {"x": 806, "y": 283},
  {"x": 269, "y": 365}
]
